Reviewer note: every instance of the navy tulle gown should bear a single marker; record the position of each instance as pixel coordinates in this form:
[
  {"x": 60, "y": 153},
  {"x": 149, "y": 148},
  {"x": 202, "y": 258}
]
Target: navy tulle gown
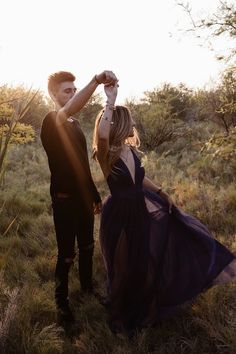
[{"x": 155, "y": 261}]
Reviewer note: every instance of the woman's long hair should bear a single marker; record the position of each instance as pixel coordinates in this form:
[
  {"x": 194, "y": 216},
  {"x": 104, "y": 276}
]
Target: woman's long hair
[{"x": 120, "y": 132}]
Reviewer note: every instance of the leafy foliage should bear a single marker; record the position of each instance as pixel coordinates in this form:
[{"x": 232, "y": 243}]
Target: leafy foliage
[
  {"x": 221, "y": 23},
  {"x": 223, "y": 147},
  {"x": 13, "y": 110},
  {"x": 218, "y": 105},
  {"x": 13, "y": 97},
  {"x": 162, "y": 114},
  {"x": 22, "y": 133}
]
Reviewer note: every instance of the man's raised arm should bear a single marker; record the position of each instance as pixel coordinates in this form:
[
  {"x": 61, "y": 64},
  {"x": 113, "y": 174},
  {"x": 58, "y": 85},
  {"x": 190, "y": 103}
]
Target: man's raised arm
[{"x": 78, "y": 101}]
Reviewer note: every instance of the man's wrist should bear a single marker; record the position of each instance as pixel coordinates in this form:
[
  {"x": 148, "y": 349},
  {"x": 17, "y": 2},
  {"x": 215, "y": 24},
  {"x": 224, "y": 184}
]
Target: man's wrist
[{"x": 96, "y": 79}]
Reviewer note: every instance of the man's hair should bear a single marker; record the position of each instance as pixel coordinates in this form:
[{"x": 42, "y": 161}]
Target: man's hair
[{"x": 57, "y": 78}]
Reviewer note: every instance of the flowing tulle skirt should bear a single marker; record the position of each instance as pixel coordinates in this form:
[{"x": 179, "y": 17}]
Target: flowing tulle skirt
[{"x": 156, "y": 261}]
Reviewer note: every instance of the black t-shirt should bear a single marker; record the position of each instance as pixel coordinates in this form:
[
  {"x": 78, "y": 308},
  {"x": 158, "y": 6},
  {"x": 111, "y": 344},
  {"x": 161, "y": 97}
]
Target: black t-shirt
[{"x": 67, "y": 153}]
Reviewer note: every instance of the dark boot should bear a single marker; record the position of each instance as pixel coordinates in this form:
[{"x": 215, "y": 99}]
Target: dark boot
[
  {"x": 61, "y": 292},
  {"x": 65, "y": 316}
]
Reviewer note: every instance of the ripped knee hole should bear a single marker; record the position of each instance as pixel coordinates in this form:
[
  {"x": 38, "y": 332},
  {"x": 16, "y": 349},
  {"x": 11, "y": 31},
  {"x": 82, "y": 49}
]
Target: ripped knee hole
[{"x": 89, "y": 247}]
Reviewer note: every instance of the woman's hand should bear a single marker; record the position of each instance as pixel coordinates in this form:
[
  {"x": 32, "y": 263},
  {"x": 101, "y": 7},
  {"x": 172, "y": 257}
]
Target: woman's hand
[{"x": 111, "y": 93}]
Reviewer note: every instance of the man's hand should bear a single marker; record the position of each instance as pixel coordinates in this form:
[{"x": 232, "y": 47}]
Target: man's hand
[
  {"x": 97, "y": 208},
  {"x": 107, "y": 78}
]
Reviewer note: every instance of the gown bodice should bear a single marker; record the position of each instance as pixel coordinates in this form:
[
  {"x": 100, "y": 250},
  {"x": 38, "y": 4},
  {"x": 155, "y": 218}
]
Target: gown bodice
[{"x": 120, "y": 181}]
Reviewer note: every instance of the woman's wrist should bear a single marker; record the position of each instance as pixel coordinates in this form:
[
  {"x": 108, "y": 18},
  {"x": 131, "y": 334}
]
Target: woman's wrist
[
  {"x": 111, "y": 105},
  {"x": 108, "y": 120}
]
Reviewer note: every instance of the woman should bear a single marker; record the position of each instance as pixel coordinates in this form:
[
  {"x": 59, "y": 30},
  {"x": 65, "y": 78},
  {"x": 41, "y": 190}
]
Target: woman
[{"x": 156, "y": 256}]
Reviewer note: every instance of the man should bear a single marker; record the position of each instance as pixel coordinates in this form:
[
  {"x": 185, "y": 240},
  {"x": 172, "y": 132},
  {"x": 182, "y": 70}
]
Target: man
[{"x": 75, "y": 198}]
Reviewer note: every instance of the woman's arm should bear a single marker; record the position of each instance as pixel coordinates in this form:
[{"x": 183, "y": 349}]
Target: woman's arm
[
  {"x": 148, "y": 184},
  {"x": 105, "y": 126}
]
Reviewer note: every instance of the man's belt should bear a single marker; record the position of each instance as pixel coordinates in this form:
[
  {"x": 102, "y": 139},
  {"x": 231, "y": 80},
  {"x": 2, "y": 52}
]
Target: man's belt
[{"x": 62, "y": 195}]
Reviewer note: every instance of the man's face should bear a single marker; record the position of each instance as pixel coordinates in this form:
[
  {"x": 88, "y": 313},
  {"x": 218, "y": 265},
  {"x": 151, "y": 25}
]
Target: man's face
[{"x": 64, "y": 92}]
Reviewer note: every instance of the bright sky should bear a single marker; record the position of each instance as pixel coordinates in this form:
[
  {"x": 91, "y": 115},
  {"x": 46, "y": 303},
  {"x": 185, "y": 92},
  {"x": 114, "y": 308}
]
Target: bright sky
[{"x": 130, "y": 37}]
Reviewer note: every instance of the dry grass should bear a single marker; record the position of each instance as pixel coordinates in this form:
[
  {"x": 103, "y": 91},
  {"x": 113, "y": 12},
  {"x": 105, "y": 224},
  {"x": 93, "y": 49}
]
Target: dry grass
[{"x": 28, "y": 255}]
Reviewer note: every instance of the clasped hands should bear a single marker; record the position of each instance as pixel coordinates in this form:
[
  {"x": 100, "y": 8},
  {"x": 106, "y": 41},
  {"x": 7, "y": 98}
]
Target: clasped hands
[
  {"x": 108, "y": 78},
  {"x": 110, "y": 81}
]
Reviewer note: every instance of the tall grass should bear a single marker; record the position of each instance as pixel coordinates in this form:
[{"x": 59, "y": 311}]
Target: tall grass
[{"x": 28, "y": 256}]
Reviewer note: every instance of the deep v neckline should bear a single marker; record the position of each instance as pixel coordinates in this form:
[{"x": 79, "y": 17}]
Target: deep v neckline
[{"x": 127, "y": 168}]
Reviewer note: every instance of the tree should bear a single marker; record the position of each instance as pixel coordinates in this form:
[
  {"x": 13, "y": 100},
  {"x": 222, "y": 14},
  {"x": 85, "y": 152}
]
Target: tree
[
  {"x": 221, "y": 23},
  {"x": 216, "y": 105},
  {"x": 227, "y": 97},
  {"x": 157, "y": 116},
  {"x": 12, "y": 110},
  {"x": 37, "y": 111},
  {"x": 178, "y": 99}
]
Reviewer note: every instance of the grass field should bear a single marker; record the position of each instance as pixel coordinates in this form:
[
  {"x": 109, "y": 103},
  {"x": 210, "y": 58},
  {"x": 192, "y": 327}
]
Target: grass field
[{"x": 28, "y": 256}]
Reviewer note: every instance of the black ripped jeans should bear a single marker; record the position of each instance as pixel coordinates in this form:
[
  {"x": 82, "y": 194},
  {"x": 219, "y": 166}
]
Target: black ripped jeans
[{"x": 73, "y": 221}]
